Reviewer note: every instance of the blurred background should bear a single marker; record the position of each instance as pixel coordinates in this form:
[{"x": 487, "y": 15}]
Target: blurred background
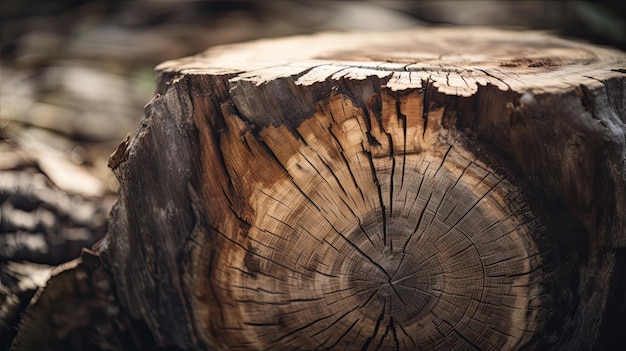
[{"x": 75, "y": 75}]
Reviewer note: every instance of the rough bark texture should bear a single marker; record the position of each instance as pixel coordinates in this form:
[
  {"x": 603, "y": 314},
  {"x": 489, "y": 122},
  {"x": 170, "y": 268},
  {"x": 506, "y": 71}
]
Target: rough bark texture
[{"x": 429, "y": 189}]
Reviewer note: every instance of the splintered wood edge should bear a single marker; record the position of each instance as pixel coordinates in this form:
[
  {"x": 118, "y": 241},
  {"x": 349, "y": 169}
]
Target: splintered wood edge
[{"x": 456, "y": 60}]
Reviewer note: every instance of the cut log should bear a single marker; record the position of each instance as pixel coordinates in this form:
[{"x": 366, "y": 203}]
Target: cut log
[{"x": 432, "y": 189}]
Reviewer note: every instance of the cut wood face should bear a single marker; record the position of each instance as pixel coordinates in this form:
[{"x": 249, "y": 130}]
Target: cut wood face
[
  {"x": 458, "y": 61},
  {"x": 365, "y": 228}
]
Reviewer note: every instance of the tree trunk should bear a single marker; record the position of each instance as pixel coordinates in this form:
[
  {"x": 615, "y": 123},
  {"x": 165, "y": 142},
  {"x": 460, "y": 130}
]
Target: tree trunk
[{"x": 433, "y": 189}]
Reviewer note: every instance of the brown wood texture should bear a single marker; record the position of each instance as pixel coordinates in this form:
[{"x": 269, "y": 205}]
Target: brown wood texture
[{"x": 431, "y": 189}]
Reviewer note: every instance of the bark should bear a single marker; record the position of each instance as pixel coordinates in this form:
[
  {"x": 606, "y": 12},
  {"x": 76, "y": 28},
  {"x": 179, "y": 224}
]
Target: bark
[{"x": 430, "y": 189}]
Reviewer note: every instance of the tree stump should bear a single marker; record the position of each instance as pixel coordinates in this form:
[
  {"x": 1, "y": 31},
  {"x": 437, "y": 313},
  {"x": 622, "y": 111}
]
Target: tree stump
[{"x": 431, "y": 189}]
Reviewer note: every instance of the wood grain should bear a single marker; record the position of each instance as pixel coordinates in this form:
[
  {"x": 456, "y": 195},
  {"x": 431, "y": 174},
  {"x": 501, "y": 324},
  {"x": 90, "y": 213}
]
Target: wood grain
[{"x": 369, "y": 232}]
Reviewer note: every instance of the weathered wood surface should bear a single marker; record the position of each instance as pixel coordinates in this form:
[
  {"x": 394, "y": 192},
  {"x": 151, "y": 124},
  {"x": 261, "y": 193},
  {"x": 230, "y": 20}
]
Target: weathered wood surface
[{"x": 430, "y": 189}]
